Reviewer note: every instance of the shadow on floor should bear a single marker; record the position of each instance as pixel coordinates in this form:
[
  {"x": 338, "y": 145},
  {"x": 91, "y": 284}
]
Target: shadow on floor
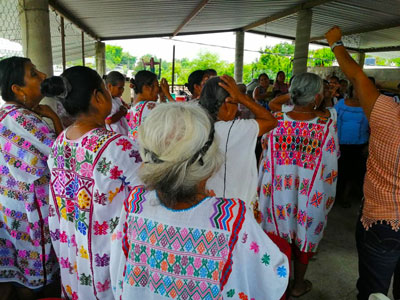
[{"x": 334, "y": 269}]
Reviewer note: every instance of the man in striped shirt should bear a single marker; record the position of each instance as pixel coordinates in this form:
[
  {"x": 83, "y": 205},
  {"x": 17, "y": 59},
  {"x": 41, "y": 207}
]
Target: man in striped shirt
[{"x": 377, "y": 234}]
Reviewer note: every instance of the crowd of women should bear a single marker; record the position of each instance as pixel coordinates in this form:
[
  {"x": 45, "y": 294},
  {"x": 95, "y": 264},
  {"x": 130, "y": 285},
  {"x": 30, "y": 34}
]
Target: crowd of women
[{"x": 169, "y": 200}]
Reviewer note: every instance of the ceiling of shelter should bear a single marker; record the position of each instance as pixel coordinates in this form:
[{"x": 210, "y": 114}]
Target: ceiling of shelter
[{"x": 369, "y": 25}]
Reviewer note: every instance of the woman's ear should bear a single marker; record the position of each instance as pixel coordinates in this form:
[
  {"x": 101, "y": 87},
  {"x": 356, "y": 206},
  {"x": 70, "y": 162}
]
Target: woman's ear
[{"x": 18, "y": 92}]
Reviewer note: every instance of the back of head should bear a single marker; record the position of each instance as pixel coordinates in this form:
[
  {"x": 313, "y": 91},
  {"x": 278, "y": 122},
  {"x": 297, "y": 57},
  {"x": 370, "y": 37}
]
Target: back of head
[
  {"x": 12, "y": 71},
  {"x": 74, "y": 88},
  {"x": 195, "y": 78},
  {"x": 213, "y": 96},
  {"x": 304, "y": 87},
  {"x": 114, "y": 77},
  {"x": 178, "y": 150},
  {"x": 143, "y": 78},
  {"x": 211, "y": 72}
]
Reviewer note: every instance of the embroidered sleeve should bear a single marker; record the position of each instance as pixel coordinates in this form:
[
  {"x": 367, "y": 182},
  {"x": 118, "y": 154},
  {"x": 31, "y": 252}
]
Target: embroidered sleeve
[{"x": 259, "y": 270}]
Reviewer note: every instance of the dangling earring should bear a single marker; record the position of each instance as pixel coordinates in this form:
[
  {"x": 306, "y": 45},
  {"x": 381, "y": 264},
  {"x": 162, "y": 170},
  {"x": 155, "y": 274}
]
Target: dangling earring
[{"x": 315, "y": 106}]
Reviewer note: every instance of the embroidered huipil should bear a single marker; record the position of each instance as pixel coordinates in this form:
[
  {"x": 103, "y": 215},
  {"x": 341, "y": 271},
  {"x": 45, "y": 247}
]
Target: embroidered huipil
[
  {"x": 90, "y": 179},
  {"x": 25, "y": 246},
  {"x": 297, "y": 179},
  {"x": 137, "y": 114},
  {"x": 214, "y": 250}
]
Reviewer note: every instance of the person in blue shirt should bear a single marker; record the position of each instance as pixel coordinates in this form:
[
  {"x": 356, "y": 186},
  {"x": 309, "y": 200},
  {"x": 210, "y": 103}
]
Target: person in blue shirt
[{"x": 353, "y": 132}]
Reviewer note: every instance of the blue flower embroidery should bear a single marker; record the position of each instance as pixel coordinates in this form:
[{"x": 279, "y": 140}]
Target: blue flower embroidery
[
  {"x": 82, "y": 228},
  {"x": 159, "y": 255},
  {"x": 21, "y": 153},
  {"x": 281, "y": 271},
  {"x": 72, "y": 188}
]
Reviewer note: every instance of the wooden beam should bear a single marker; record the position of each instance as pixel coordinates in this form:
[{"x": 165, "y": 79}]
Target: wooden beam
[
  {"x": 194, "y": 13},
  {"x": 285, "y": 13},
  {"x": 68, "y": 15},
  {"x": 381, "y": 49},
  {"x": 362, "y": 30}
]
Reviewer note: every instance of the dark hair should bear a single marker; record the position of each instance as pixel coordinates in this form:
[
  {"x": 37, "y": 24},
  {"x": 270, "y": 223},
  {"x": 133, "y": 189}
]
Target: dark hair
[
  {"x": 343, "y": 80},
  {"x": 334, "y": 77},
  {"x": 195, "y": 78},
  {"x": 277, "y": 74},
  {"x": 143, "y": 78},
  {"x": 12, "y": 71},
  {"x": 213, "y": 96},
  {"x": 114, "y": 77},
  {"x": 262, "y": 74},
  {"x": 211, "y": 72},
  {"x": 76, "y": 89}
]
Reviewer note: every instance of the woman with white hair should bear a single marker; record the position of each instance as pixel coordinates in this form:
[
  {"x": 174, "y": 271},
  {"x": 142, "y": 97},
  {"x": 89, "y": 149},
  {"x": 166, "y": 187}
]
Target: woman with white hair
[
  {"x": 297, "y": 177},
  {"x": 177, "y": 242}
]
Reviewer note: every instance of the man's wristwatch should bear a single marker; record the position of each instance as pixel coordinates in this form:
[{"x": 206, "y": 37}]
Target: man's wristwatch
[{"x": 337, "y": 43}]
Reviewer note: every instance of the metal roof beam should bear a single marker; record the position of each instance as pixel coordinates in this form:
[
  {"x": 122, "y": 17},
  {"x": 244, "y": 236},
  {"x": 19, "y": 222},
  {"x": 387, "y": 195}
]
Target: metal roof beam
[
  {"x": 381, "y": 49},
  {"x": 285, "y": 13},
  {"x": 193, "y": 14},
  {"x": 143, "y": 36},
  {"x": 362, "y": 30},
  {"x": 293, "y": 38},
  {"x": 68, "y": 15}
]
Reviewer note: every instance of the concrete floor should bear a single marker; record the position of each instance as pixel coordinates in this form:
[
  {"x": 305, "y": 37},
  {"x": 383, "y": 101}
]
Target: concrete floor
[{"x": 334, "y": 269}]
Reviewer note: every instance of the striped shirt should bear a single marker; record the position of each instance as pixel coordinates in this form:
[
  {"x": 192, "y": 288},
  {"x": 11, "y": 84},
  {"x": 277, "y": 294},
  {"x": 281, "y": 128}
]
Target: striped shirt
[{"x": 382, "y": 181}]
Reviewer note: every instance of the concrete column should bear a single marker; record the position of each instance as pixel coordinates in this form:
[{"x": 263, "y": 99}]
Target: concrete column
[
  {"x": 239, "y": 50},
  {"x": 361, "y": 59},
  {"x": 101, "y": 58},
  {"x": 35, "y": 31},
  {"x": 303, "y": 31}
]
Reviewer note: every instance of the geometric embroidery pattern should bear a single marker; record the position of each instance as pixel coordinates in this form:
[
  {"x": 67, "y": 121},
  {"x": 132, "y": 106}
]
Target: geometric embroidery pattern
[
  {"x": 298, "y": 143},
  {"x": 175, "y": 261},
  {"x": 223, "y": 213},
  {"x": 136, "y": 200}
]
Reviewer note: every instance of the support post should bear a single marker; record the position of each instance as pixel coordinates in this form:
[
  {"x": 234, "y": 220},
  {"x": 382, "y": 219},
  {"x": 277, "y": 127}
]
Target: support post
[
  {"x": 101, "y": 58},
  {"x": 83, "y": 49},
  {"x": 239, "y": 50},
  {"x": 64, "y": 61},
  {"x": 35, "y": 31},
  {"x": 173, "y": 69},
  {"x": 361, "y": 59},
  {"x": 303, "y": 31}
]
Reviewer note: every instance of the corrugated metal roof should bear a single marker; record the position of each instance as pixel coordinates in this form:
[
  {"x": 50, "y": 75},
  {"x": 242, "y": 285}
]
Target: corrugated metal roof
[{"x": 120, "y": 19}]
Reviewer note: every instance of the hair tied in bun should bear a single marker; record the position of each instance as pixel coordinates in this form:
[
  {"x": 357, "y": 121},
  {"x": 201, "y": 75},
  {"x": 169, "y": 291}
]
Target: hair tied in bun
[{"x": 66, "y": 90}]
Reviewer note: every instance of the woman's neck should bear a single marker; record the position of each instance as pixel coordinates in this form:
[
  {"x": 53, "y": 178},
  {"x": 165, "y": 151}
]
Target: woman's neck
[
  {"x": 352, "y": 102},
  {"x": 141, "y": 97},
  {"x": 83, "y": 125}
]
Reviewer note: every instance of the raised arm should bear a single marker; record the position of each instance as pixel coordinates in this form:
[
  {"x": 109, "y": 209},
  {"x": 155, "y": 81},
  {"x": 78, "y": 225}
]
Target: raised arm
[
  {"x": 366, "y": 90},
  {"x": 276, "y": 103},
  {"x": 263, "y": 117}
]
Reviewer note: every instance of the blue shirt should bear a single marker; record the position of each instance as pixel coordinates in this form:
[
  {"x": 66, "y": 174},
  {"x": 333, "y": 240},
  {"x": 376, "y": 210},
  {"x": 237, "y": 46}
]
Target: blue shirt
[{"x": 352, "y": 124}]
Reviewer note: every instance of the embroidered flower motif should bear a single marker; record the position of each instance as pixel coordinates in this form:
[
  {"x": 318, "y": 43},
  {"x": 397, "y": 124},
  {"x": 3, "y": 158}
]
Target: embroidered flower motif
[
  {"x": 103, "y": 166},
  {"x": 126, "y": 145},
  {"x": 244, "y": 238},
  {"x": 83, "y": 252},
  {"x": 100, "y": 198},
  {"x": 102, "y": 261},
  {"x": 281, "y": 271},
  {"x": 80, "y": 154},
  {"x": 83, "y": 200},
  {"x": 254, "y": 246},
  {"x": 82, "y": 227},
  {"x": 243, "y": 296},
  {"x": 115, "y": 173},
  {"x": 136, "y": 155},
  {"x": 100, "y": 229},
  {"x": 266, "y": 259},
  {"x": 72, "y": 188},
  {"x": 87, "y": 170}
]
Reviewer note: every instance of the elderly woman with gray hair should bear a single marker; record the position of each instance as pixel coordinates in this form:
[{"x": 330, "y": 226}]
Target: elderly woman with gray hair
[
  {"x": 176, "y": 241},
  {"x": 297, "y": 177}
]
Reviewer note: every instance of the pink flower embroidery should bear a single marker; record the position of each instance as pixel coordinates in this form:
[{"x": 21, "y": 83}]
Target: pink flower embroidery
[
  {"x": 80, "y": 154},
  {"x": 254, "y": 246},
  {"x": 115, "y": 173},
  {"x": 7, "y": 147},
  {"x": 100, "y": 229},
  {"x": 87, "y": 170},
  {"x": 126, "y": 145},
  {"x": 102, "y": 287}
]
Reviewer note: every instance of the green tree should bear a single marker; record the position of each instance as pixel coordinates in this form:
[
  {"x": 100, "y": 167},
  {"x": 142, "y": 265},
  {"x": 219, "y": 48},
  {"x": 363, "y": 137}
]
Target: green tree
[{"x": 321, "y": 57}]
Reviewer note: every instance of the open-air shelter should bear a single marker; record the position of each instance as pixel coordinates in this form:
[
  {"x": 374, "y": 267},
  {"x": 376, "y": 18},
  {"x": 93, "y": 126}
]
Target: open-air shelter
[{"x": 53, "y": 31}]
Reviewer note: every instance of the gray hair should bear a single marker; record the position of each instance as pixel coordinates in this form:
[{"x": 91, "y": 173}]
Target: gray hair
[
  {"x": 304, "y": 87},
  {"x": 114, "y": 77},
  {"x": 172, "y": 141}
]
